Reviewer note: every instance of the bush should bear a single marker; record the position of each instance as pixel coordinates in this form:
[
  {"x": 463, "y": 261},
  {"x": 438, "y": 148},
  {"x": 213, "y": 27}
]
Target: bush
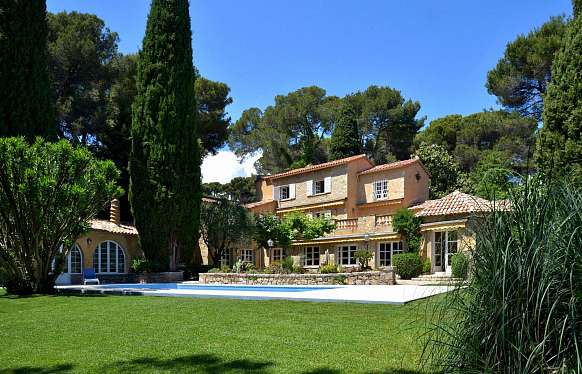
[
  {"x": 426, "y": 266},
  {"x": 48, "y": 193},
  {"x": 298, "y": 269},
  {"x": 328, "y": 269},
  {"x": 460, "y": 265},
  {"x": 215, "y": 270},
  {"x": 363, "y": 256},
  {"x": 288, "y": 263},
  {"x": 141, "y": 266},
  {"x": 407, "y": 265},
  {"x": 339, "y": 279}
]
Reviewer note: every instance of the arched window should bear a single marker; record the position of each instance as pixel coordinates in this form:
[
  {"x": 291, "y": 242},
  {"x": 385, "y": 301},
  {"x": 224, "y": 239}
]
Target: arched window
[
  {"x": 75, "y": 260},
  {"x": 109, "y": 258}
]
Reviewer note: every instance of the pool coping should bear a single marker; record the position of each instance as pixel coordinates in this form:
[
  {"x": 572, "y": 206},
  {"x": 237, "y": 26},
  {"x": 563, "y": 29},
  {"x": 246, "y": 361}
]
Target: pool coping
[{"x": 400, "y": 294}]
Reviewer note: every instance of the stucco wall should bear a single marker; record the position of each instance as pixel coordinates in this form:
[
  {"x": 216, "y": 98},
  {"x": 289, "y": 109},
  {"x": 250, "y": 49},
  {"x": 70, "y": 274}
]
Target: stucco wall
[{"x": 89, "y": 242}]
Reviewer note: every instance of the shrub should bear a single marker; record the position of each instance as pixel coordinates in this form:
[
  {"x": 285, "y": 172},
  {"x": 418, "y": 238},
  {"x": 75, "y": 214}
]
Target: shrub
[
  {"x": 225, "y": 269},
  {"x": 339, "y": 279},
  {"x": 215, "y": 270},
  {"x": 328, "y": 269},
  {"x": 363, "y": 256},
  {"x": 288, "y": 263},
  {"x": 460, "y": 265},
  {"x": 426, "y": 266},
  {"x": 298, "y": 269},
  {"x": 141, "y": 266},
  {"x": 407, "y": 265},
  {"x": 248, "y": 267},
  {"x": 48, "y": 193},
  {"x": 408, "y": 225},
  {"x": 521, "y": 310}
]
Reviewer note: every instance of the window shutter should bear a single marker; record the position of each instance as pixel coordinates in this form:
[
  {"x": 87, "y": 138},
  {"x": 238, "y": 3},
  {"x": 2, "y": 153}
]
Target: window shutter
[
  {"x": 292, "y": 191},
  {"x": 276, "y": 193},
  {"x": 374, "y": 191},
  {"x": 327, "y": 184},
  {"x": 309, "y": 187}
]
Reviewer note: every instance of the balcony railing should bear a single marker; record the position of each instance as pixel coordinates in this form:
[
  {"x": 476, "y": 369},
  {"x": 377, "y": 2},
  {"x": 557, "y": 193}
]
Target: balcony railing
[
  {"x": 383, "y": 220},
  {"x": 346, "y": 224}
]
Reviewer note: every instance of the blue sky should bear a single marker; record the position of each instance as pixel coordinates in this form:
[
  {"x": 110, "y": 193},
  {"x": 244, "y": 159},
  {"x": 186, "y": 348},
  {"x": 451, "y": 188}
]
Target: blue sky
[{"x": 436, "y": 52}]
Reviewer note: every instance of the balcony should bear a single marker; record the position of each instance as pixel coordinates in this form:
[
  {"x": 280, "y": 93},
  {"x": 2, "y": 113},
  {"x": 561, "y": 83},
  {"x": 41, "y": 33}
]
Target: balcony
[{"x": 365, "y": 224}]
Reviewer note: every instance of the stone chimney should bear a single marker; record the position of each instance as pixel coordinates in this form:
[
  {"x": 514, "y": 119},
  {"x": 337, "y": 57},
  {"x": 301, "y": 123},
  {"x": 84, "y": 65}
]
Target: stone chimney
[{"x": 114, "y": 214}]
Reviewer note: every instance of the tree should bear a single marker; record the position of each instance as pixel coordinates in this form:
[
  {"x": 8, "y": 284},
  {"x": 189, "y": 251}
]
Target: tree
[
  {"x": 445, "y": 173},
  {"x": 387, "y": 122},
  {"x": 48, "y": 192},
  {"x": 289, "y": 132},
  {"x": 82, "y": 54},
  {"x": 293, "y": 226},
  {"x": 212, "y": 99},
  {"x": 522, "y": 75},
  {"x": 223, "y": 225},
  {"x": 345, "y": 139},
  {"x": 492, "y": 176},
  {"x": 559, "y": 149},
  {"x": 164, "y": 161},
  {"x": 240, "y": 189},
  {"x": 468, "y": 137},
  {"x": 408, "y": 225},
  {"x": 25, "y": 99}
]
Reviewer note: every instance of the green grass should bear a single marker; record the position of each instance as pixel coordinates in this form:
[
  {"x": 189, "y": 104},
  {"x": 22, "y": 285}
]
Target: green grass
[{"x": 96, "y": 334}]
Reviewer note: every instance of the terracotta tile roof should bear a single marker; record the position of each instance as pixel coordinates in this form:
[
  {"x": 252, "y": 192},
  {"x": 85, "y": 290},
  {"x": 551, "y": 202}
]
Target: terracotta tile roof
[
  {"x": 103, "y": 225},
  {"x": 310, "y": 168},
  {"x": 258, "y": 203},
  {"x": 454, "y": 203},
  {"x": 393, "y": 165}
]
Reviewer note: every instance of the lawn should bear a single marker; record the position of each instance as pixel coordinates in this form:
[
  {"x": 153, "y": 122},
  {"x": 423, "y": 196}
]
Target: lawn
[{"x": 95, "y": 334}]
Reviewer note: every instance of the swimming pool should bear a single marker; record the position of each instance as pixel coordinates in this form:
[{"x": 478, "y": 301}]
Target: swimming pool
[{"x": 212, "y": 287}]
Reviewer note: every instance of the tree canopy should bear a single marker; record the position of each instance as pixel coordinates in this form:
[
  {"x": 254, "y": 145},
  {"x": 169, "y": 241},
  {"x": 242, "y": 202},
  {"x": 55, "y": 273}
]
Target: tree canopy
[
  {"x": 522, "y": 75},
  {"x": 559, "y": 149},
  {"x": 345, "y": 139},
  {"x": 446, "y": 175},
  {"x": 295, "y": 131},
  {"x": 26, "y": 107},
  {"x": 240, "y": 189},
  {"x": 165, "y": 158}
]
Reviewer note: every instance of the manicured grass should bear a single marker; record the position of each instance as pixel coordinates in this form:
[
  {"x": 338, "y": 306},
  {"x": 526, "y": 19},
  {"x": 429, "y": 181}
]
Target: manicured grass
[{"x": 96, "y": 334}]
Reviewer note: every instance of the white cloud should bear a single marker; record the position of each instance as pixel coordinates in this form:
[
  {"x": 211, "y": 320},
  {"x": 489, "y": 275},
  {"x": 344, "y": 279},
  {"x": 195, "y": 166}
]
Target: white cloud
[{"x": 224, "y": 166}]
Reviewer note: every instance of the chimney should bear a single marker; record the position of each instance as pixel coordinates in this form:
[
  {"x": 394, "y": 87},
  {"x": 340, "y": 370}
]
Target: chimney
[{"x": 114, "y": 215}]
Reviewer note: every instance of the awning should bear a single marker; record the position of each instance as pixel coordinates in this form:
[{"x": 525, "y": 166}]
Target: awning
[
  {"x": 311, "y": 206},
  {"x": 347, "y": 239},
  {"x": 444, "y": 225}
]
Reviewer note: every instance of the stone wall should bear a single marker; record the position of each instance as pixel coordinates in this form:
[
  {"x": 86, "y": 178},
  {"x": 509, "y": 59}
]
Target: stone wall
[{"x": 361, "y": 278}]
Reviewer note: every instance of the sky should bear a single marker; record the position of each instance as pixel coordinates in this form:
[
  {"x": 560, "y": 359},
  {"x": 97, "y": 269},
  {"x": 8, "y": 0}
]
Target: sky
[{"x": 434, "y": 52}]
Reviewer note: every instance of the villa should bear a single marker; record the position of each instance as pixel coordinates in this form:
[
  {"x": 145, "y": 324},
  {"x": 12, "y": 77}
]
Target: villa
[{"x": 359, "y": 196}]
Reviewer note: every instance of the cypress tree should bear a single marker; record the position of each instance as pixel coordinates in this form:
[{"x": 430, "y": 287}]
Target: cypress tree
[
  {"x": 559, "y": 148},
  {"x": 165, "y": 157},
  {"x": 345, "y": 139},
  {"x": 25, "y": 94}
]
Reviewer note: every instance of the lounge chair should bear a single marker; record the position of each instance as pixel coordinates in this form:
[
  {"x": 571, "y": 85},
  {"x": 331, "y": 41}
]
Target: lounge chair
[{"x": 89, "y": 276}]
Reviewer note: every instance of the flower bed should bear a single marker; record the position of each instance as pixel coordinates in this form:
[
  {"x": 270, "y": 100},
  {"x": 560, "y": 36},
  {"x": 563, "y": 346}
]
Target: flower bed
[{"x": 361, "y": 278}]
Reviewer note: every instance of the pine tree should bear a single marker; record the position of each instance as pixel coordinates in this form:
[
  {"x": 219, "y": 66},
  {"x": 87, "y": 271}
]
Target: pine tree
[
  {"x": 25, "y": 98},
  {"x": 559, "y": 148},
  {"x": 165, "y": 156},
  {"x": 345, "y": 139}
]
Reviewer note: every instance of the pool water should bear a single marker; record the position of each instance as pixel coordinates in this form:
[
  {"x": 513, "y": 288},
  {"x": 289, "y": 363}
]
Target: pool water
[{"x": 211, "y": 287}]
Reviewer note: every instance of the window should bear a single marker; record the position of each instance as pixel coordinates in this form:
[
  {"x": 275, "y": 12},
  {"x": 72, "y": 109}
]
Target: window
[
  {"x": 284, "y": 192},
  {"x": 276, "y": 254},
  {"x": 381, "y": 189},
  {"x": 75, "y": 260},
  {"x": 311, "y": 256},
  {"x": 322, "y": 214},
  {"x": 247, "y": 255},
  {"x": 386, "y": 251},
  {"x": 318, "y": 187},
  {"x": 225, "y": 258},
  {"x": 109, "y": 258},
  {"x": 346, "y": 254}
]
